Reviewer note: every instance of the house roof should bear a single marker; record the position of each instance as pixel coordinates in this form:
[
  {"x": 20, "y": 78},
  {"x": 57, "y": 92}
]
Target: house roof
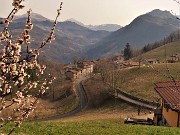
[
  {"x": 170, "y": 92},
  {"x": 167, "y": 84},
  {"x": 134, "y": 63},
  {"x": 150, "y": 60},
  {"x": 73, "y": 71}
]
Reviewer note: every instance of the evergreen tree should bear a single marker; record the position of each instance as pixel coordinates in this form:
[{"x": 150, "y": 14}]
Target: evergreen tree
[{"x": 128, "y": 52}]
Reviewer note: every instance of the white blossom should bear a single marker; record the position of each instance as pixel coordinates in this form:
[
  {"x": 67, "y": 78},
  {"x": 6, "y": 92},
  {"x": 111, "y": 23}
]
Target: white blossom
[{"x": 15, "y": 68}]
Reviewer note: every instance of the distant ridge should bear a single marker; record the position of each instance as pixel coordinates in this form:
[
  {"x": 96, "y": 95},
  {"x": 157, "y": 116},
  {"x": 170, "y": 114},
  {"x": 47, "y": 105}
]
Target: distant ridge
[
  {"x": 34, "y": 16},
  {"x": 74, "y": 20},
  {"x": 71, "y": 39},
  {"x": 105, "y": 27}
]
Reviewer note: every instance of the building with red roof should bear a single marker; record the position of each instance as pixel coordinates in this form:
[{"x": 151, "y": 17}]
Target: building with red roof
[{"x": 170, "y": 103}]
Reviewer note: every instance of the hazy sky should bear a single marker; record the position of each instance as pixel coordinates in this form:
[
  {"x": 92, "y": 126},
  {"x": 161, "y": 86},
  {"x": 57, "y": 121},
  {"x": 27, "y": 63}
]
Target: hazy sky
[{"x": 94, "y": 11}]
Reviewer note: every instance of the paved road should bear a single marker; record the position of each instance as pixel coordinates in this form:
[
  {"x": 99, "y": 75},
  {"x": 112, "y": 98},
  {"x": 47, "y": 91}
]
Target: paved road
[{"x": 83, "y": 100}]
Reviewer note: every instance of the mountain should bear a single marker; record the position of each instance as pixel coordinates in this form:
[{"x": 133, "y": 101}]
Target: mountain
[
  {"x": 144, "y": 29},
  {"x": 161, "y": 14},
  {"x": 71, "y": 39},
  {"x": 75, "y": 40},
  {"x": 106, "y": 27},
  {"x": 34, "y": 16},
  {"x": 75, "y": 21}
]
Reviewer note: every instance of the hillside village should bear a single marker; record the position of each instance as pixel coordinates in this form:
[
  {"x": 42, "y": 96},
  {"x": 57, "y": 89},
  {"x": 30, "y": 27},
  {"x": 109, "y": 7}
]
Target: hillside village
[
  {"x": 78, "y": 70},
  {"x": 162, "y": 114},
  {"x": 84, "y": 68}
]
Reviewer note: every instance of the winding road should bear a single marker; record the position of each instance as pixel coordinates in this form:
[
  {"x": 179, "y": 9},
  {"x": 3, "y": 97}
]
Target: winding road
[{"x": 83, "y": 101}]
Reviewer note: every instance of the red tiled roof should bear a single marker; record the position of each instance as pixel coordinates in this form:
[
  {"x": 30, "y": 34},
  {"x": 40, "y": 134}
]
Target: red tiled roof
[
  {"x": 166, "y": 84},
  {"x": 170, "y": 93}
]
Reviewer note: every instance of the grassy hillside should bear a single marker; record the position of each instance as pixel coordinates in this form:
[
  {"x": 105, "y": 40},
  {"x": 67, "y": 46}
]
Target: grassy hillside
[
  {"x": 140, "y": 82},
  {"x": 136, "y": 81},
  {"x": 98, "y": 127},
  {"x": 159, "y": 53}
]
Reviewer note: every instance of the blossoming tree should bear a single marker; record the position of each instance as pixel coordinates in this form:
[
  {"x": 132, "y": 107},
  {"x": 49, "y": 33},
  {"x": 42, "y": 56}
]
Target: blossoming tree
[{"x": 19, "y": 93}]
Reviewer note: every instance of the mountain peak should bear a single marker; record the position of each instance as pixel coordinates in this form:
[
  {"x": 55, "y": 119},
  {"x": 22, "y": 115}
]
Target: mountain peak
[
  {"x": 75, "y": 21},
  {"x": 34, "y": 16},
  {"x": 161, "y": 14}
]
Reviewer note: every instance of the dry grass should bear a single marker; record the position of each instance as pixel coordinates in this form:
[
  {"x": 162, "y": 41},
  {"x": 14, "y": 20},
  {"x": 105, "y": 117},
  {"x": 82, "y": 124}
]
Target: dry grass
[
  {"x": 60, "y": 98},
  {"x": 159, "y": 53},
  {"x": 60, "y": 103},
  {"x": 108, "y": 110},
  {"x": 140, "y": 82},
  {"x": 103, "y": 106},
  {"x": 97, "y": 92},
  {"x": 47, "y": 108}
]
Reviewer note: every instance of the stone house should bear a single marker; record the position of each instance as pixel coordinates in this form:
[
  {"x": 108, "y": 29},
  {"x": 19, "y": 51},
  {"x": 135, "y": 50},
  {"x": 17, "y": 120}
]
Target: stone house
[
  {"x": 81, "y": 69},
  {"x": 86, "y": 66},
  {"x": 118, "y": 59},
  {"x": 72, "y": 74},
  {"x": 153, "y": 61},
  {"x": 175, "y": 58}
]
